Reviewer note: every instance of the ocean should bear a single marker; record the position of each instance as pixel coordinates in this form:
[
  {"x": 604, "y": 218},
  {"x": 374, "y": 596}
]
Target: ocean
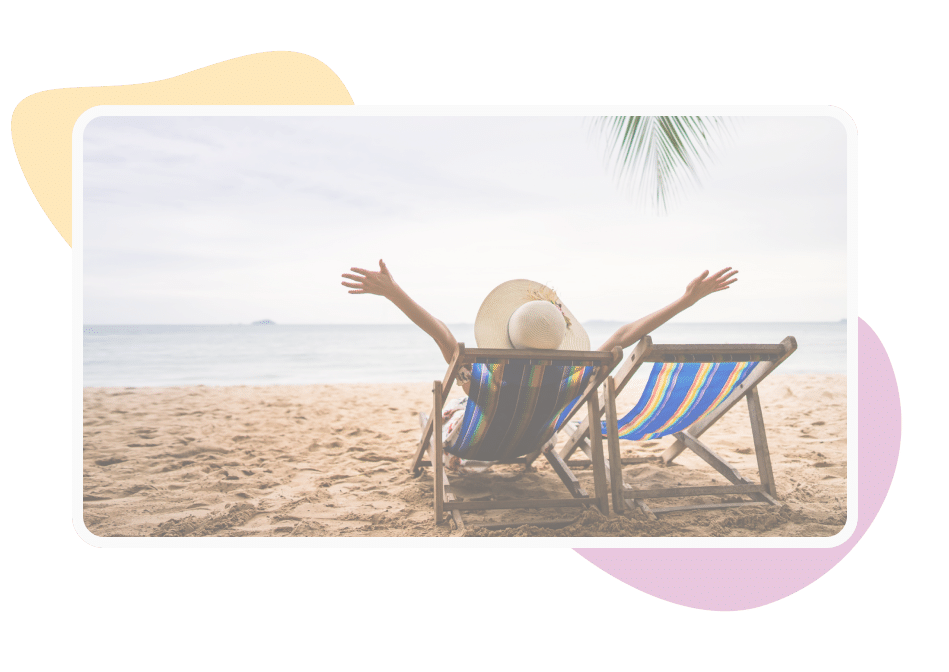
[{"x": 269, "y": 354}]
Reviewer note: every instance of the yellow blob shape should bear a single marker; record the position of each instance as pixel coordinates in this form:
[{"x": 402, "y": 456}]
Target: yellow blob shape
[{"x": 43, "y": 123}]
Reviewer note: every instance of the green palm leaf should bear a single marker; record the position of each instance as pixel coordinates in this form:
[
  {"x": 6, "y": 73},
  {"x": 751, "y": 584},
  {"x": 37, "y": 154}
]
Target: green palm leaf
[{"x": 662, "y": 154}]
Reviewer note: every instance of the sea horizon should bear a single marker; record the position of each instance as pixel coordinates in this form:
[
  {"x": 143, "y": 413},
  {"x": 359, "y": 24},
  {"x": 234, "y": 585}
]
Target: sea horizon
[{"x": 164, "y": 355}]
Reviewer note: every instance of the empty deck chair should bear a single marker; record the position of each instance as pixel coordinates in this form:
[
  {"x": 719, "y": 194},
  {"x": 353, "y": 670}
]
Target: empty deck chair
[
  {"x": 517, "y": 400},
  {"x": 689, "y": 388}
]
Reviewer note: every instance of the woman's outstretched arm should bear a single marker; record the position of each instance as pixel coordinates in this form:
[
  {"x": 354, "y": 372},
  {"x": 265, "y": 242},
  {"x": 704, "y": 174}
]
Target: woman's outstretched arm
[
  {"x": 381, "y": 283},
  {"x": 698, "y": 289}
]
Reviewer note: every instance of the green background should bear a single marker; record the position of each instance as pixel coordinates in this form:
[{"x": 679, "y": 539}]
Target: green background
[{"x": 72, "y": 604}]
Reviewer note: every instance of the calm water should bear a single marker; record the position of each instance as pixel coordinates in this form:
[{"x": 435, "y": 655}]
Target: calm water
[{"x": 148, "y": 356}]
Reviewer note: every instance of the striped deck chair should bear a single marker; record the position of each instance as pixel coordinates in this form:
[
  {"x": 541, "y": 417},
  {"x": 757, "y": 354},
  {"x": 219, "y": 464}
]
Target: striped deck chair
[
  {"x": 689, "y": 388},
  {"x": 517, "y": 400}
]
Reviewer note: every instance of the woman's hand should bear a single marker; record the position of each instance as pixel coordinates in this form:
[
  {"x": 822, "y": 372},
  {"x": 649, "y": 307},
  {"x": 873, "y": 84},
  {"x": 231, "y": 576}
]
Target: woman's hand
[
  {"x": 707, "y": 284},
  {"x": 380, "y": 282},
  {"x": 698, "y": 289},
  {"x": 371, "y": 282}
]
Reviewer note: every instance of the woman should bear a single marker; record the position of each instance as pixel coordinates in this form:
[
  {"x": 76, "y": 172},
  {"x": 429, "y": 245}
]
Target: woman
[{"x": 522, "y": 314}]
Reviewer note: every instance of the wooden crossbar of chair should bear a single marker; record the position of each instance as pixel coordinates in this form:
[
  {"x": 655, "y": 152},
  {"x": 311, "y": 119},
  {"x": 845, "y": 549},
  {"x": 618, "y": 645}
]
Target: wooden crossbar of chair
[
  {"x": 431, "y": 441},
  {"x": 763, "y": 492}
]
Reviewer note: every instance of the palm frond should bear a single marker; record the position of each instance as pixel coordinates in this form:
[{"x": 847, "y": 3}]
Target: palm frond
[{"x": 660, "y": 156}]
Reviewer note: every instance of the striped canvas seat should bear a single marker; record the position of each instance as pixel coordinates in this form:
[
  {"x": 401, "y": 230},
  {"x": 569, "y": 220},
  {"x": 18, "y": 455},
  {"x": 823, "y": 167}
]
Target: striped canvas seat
[
  {"x": 517, "y": 399},
  {"x": 515, "y": 408},
  {"x": 689, "y": 388},
  {"x": 678, "y": 395}
]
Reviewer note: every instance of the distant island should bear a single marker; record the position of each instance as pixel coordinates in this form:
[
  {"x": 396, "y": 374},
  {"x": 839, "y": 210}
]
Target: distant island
[{"x": 263, "y": 322}]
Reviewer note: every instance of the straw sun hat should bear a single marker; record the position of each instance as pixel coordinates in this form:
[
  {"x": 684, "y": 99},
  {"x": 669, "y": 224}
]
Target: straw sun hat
[{"x": 526, "y": 314}]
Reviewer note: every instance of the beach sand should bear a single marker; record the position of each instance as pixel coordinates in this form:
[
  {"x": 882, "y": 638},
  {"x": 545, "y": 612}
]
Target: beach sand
[{"x": 333, "y": 460}]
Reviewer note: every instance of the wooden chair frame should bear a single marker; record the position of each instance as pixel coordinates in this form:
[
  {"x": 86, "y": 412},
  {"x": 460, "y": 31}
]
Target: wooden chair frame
[
  {"x": 764, "y": 492},
  {"x": 445, "y": 500}
]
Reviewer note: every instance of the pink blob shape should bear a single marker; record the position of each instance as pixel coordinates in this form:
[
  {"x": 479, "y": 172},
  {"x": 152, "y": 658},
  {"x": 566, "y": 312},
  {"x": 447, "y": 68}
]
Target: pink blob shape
[{"x": 728, "y": 579}]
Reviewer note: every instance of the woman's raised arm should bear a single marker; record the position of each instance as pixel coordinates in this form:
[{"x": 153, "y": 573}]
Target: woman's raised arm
[
  {"x": 381, "y": 283},
  {"x": 698, "y": 289}
]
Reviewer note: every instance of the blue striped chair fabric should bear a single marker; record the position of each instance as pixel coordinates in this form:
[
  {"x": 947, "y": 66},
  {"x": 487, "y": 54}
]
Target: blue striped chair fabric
[
  {"x": 679, "y": 394},
  {"x": 515, "y": 408}
]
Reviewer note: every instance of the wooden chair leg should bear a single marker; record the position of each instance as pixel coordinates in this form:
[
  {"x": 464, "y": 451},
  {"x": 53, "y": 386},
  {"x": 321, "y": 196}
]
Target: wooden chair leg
[
  {"x": 612, "y": 442},
  {"x": 424, "y": 442},
  {"x": 566, "y": 475},
  {"x": 438, "y": 455},
  {"x": 575, "y": 440},
  {"x": 761, "y": 442},
  {"x": 718, "y": 463},
  {"x": 599, "y": 468},
  {"x": 673, "y": 451},
  {"x": 454, "y": 514}
]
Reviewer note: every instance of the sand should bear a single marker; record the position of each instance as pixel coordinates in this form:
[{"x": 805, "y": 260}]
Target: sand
[{"x": 332, "y": 460}]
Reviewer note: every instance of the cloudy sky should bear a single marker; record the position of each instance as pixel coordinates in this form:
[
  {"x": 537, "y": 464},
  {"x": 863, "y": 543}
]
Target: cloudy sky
[{"x": 227, "y": 220}]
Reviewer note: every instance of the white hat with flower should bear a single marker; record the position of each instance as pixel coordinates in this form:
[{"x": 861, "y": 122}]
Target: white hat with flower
[{"x": 523, "y": 314}]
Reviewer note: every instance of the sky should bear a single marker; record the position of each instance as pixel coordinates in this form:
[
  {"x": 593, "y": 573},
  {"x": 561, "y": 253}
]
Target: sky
[{"x": 229, "y": 220}]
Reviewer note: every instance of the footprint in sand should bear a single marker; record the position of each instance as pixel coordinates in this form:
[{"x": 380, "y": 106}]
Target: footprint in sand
[
  {"x": 109, "y": 460},
  {"x": 373, "y": 457},
  {"x": 138, "y": 488}
]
